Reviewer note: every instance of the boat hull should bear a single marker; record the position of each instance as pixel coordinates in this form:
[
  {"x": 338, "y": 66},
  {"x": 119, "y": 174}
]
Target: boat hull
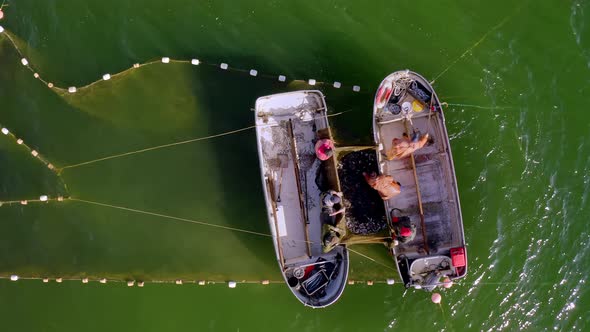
[
  {"x": 294, "y": 182},
  {"x": 406, "y": 103}
]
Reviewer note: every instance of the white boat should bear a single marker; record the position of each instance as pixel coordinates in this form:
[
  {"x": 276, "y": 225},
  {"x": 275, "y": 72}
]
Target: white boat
[
  {"x": 294, "y": 181},
  {"x": 406, "y": 103}
]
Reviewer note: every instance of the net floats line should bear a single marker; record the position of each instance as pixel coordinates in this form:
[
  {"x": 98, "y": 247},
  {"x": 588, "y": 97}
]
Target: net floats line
[
  {"x": 41, "y": 199},
  {"x": 485, "y": 35},
  {"x": 33, "y": 152},
  {"x": 165, "y": 60},
  {"x": 170, "y": 217},
  {"x": 141, "y": 283}
]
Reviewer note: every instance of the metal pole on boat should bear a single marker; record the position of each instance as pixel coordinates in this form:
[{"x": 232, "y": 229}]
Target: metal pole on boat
[
  {"x": 422, "y": 223},
  {"x": 273, "y": 205},
  {"x": 298, "y": 180}
]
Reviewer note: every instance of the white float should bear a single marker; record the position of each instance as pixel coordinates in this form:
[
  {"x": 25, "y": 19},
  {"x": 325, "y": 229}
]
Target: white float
[
  {"x": 14, "y": 277},
  {"x": 36, "y": 75},
  {"x": 140, "y": 284},
  {"x": 24, "y": 61},
  {"x": 337, "y": 85},
  {"x": 1, "y": 29},
  {"x": 58, "y": 280},
  {"x": 130, "y": 283},
  {"x": 72, "y": 89},
  {"x": 43, "y": 198},
  {"x": 232, "y": 284},
  {"x": 103, "y": 281},
  {"x": 282, "y": 78},
  {"x": 45, "y": 280},
  {"x": 311, "y": 81},
  {"x": 223, "y": 66},
  {"x": 5, "y": 131},
  {"x": 178, "y": 282},
  {"x": 201, "y": 283},
  {"x": 165, "y": 59},
  {"x": 106, "y": 77},
  {"x": 34, "y": 153},
  {"x": 390, "y": 281},
  {"x": 195, "y": 62},
  {"x": 253, "y": 72},
  {"x": 84, "y": 280},
  {"x": 356, "y": 88}
]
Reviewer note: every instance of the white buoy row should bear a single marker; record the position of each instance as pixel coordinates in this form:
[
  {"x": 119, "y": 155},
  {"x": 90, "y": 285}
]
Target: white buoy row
[
  {"x": 20, "y": 141},
  {"x": 231, "y": 283},
  {"x": 196, "y": 62},
  {"x": 224, "y": 66}
]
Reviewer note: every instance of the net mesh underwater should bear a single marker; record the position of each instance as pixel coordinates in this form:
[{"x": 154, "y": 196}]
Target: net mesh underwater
[{"x": 150, "y": 174}]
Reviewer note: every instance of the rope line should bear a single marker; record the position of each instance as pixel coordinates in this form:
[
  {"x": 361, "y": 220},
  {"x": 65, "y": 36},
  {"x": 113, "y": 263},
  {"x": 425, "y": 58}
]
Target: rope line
[
  {"x": 369, "y": 258},
  {"x": 170, "y": 217},
  {"x": 485, "y": 35},
  {"x": 156, "y": 148},
  {"x": 173, "y": 144},
  {"x": 482, "y": 107}
]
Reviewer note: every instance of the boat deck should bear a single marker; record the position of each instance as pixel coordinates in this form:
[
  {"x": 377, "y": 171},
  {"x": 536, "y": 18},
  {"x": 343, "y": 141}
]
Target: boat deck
[
  {"x": 442, "y": 223},
  {"x": 299, "y": 204},
  {"x": 288, "y": 126}
]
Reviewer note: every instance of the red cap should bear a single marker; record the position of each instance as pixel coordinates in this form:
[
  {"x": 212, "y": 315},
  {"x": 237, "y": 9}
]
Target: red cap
[
  {"x": 324, "y": 149},
  {"x": 405, "y": 232}
]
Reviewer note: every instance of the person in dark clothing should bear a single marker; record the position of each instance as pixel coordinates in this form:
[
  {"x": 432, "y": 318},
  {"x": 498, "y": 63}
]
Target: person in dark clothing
[{"x": 405, "y": 230}]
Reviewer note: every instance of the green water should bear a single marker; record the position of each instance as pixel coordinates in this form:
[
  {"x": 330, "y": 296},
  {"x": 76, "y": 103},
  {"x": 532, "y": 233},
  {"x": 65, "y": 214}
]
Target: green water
[{"x": 521, "y": 160}]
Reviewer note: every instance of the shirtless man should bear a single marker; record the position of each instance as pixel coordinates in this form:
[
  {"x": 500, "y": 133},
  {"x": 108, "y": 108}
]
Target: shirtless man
[
  {"x": 384, "y": 184},
  {"x": 401, "y": 148}
]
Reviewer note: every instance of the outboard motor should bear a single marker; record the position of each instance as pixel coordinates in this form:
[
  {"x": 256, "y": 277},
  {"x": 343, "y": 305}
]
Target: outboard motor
[{"x": 431, "y": 281}]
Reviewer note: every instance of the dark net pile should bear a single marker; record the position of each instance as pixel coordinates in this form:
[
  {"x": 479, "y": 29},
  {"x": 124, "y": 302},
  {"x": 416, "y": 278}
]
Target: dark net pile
[{"x": 365, "y": 212}]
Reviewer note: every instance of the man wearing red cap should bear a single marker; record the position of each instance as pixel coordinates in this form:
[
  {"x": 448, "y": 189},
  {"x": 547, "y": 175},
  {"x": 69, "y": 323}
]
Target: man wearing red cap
[
  {"x": 324, "y": 149},
  {"x": 405, "y": 230}
]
